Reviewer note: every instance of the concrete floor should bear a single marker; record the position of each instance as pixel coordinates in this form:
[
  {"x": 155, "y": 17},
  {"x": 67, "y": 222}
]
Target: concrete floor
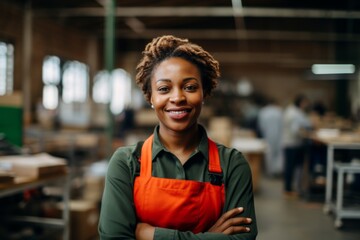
[{"x": 282, "y": 218}]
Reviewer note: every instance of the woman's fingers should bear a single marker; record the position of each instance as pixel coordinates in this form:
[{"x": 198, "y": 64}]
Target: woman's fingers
[
  {"x": 231, "y": 213},
  {"x": 235, "y": 222},
  {"x": 236, "y": 229},
  {"x": 228, "y": 223}
]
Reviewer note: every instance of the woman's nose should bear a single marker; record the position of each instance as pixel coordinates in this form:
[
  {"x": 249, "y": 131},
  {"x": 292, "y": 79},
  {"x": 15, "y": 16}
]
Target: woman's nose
[{"x": 177, "y": 96}]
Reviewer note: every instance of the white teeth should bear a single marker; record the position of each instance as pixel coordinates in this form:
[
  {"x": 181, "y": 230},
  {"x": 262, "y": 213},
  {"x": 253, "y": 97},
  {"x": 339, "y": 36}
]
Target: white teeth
[{"x": 177, "y": 112}]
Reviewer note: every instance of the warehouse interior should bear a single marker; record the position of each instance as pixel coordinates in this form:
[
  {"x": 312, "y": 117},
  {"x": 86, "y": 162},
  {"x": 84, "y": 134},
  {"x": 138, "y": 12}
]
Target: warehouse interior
[{"x": 58, "y": 57}]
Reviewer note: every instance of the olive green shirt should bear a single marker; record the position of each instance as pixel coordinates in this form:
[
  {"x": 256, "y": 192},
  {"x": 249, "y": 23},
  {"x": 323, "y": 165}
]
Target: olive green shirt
[{"x": 117, "y": 216}]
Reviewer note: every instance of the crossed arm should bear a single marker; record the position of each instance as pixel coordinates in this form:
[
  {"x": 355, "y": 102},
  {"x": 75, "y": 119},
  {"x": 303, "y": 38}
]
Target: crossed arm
[{"x": 229, "y": 223}]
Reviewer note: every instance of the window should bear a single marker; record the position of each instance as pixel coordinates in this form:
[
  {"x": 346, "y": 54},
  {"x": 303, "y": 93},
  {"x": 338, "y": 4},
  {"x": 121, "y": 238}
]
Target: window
[
  {"x": 101, "y": 88},
  {"x": 75, "y": 82},
  {"x": 71, "y": 77},
  {"x": 51, "y": 79},
  {"x": 115, "y": 89},
  {"x": 50, "y": 97},
  {"x": 6, "y": 68},
  {"x": 121, "y": 91}
]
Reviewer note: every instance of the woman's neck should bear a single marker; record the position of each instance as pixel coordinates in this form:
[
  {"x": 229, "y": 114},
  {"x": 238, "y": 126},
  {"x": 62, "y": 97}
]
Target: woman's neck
[{"x": 181, "y": 144}]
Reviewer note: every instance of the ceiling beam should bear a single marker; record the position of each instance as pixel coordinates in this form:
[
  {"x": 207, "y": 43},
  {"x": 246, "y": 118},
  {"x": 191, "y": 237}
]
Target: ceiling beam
[
  {"x": 285, "y": 59},
  {"x": 200, "y": 12},
  {"x": 270, "y": 58},
  {"x": 241, "y": 34},
  {"x": 101, "y": 2}
]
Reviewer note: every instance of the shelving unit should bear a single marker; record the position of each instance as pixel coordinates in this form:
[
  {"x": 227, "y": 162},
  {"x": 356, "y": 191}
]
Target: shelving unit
[{"x": 22, "y": 183}]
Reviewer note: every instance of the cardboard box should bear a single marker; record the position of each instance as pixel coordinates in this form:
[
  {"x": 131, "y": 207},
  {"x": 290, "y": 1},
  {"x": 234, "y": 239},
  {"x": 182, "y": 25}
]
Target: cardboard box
[
  {"x": 93, "y": 188},
  {"x": 6, "y": 177},
  {"x": 253, "y": 150},
  {"x": 255, "y": 161},
  {"x": 15, "y": 99},
  {"x": 221, "y": 130},
  {"x": 84, "y": 218},
  {"x": 38, "y": 165}
]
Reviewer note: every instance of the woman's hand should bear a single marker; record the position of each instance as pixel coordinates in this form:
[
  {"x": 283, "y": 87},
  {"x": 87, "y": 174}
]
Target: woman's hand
[
  {"x": 229, "y": 224},
  {"x": 144, "y": 231}
]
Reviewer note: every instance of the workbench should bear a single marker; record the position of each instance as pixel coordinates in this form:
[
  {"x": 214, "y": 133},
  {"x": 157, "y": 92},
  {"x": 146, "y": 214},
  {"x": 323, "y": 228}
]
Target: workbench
[{"x": 344, "y": 142}]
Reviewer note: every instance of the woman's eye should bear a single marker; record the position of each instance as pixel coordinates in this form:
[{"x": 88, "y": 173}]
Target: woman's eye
[
  {"x": 163, "y": 89},
  {"x": 191, "y": 87}
]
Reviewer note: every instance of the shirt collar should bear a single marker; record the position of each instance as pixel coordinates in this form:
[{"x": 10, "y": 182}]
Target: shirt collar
[{"x": 202, "y": 148}]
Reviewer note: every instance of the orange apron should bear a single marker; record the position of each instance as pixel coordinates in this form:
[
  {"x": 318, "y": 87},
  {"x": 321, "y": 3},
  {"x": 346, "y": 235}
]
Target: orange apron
[{"x": 184, "y": 205}]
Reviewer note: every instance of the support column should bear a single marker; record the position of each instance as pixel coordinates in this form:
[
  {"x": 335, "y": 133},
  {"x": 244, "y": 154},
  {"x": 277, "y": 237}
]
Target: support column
[
  {"x": 26, "y": 65},
  {"x": 109, "y": 63}
]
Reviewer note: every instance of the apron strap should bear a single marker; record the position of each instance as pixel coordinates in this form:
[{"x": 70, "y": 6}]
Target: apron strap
[
  {"x": 215, "y": 171},
  {"x": 146, "y": 157}
]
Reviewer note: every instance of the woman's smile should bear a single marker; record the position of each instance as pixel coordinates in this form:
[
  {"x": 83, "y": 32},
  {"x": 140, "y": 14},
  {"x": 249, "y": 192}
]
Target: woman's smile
[{"x": 178, "y": 114}]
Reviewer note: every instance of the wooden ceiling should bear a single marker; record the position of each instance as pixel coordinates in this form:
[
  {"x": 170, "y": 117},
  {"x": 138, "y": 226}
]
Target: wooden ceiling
[{"x": 265, "y": 29}]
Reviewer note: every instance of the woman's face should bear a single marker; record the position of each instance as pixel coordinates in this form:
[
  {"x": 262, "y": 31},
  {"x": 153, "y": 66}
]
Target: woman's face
[{"x": 177, "y": 94}]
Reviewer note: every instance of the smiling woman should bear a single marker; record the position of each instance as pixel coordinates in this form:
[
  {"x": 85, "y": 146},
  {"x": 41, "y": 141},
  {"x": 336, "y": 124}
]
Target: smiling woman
[{"x": 178, "y": 184}]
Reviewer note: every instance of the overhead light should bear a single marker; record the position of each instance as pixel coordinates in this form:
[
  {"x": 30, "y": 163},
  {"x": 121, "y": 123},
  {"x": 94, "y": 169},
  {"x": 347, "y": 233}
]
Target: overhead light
[{"x": 333, "y": 68}]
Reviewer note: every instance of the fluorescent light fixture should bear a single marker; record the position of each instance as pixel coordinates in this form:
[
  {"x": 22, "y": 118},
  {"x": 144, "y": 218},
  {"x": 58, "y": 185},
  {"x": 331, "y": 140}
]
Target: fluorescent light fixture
[{"x": 333, "y": 68}]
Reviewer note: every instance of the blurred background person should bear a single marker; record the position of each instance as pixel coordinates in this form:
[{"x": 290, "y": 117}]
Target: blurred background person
[
  {"x": 319, "y": 108},
  {"x": 296, "y": 123},
  {"x": 316, "y": 150},
  {"x": 270, "y": 126}
]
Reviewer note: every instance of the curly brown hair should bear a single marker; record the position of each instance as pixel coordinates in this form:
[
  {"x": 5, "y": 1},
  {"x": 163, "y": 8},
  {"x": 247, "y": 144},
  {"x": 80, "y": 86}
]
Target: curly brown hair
[{"x": 165, "y": 47}]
